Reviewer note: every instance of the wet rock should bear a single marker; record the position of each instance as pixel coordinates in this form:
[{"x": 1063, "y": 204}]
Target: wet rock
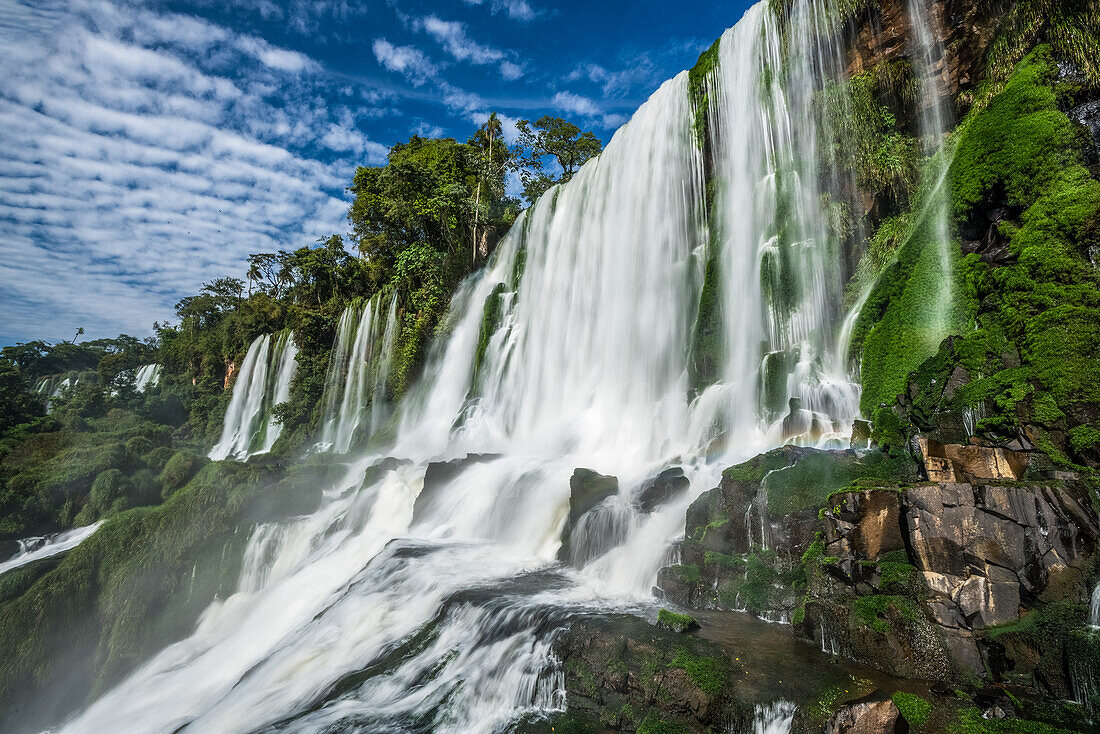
[
  {"x": 861, "y": 434},
  {"x": 617, "y": 665},
  {"x": 676, "y": 622},
  {"x": 968, "y": 463},
  {"x": 663, "y": 488},
  {"x": 868, "y": 717},
  {"x": 587, "y": 489}
]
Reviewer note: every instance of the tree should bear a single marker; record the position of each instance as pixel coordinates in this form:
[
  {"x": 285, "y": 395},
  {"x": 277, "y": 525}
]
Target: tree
[
  {"x": 79, "y": 331},
  {"x": 488, "y": 138},
  {"x": 551, "y": 137}
]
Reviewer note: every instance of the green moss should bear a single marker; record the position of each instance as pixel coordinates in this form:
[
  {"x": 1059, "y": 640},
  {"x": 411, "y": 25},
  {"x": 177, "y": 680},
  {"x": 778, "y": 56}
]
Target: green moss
[
  {"x": 708, "y": 673},
  {"x": 491, "y": 315},
  {"x": 915, "y": 709},
  {"x": 970, "y": 721},
  {"x": 654, "y": 724},
  {"x": 873, "y": 611},
  {"x": 706, "y": 342},
  {"x": 698, "y": 77},
  {"x": 676, "y": 622},
  {"x": 809, "y": 482}
]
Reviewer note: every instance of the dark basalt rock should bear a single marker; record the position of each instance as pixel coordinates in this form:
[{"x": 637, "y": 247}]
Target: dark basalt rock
[
  {"x": 587, "y": 489},
  {"x": 661, "y": 489}
]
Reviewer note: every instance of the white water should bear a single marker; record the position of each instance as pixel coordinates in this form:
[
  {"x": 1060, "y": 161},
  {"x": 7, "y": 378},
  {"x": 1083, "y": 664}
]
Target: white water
[
  {"x": 779, "y": 258},
  {"x": 35, "y": 549},
  {"x": 264, "y": 381},
  {"x": 774, "y": 718},
  {"x": 355, "y": 387},
  {"x": 588, "y": 368},
  {"x": 146, "y": 376}
]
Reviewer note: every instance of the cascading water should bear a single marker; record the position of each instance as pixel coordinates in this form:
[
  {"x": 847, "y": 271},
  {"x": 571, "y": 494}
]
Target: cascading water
[
  {"x": 400, "y": 606},
  {"x": 146, "y": 376},
  {"x": 35, "y": 549},
  {"x": 263, "y": 382},
  {"x": 780, "y": 274},
  {"x": 358, "y": 371}
]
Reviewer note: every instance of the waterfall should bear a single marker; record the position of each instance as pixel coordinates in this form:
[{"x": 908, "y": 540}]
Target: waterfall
[
  {"x": 781, "y": 276},
  {"x": 146, "y": 376},
  {"x": 264, "y": 380},
  {"x": 358, "y": 371},
  {"x": 35, "y": 549},
  {"x": 396, "y": 603},
  {"x": 774, "y": 718}
]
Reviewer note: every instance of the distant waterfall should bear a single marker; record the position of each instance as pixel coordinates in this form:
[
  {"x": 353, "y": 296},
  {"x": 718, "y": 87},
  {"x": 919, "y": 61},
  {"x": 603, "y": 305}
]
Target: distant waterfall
[
  {"x": 263, "y": 382},
  {"x": 35, "y": 549},
  {"x": 355, "y": 387},
  {"x": 146, "y": 376}
]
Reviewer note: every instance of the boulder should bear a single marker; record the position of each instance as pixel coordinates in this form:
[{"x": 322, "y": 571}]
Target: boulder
[
  {"x": 661, "y": 489},
  {"x": 868, "y": 717}
]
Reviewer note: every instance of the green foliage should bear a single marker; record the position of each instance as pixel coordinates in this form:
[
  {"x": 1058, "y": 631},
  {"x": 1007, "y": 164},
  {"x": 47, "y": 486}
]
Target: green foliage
[
  {"x": 138, "y": 583},
  {"x": 1029, "y": 351},
  {"x": 871, "y": 141},
  {"x": 178, "y": 470},
  {"x": 1072, "y": 28},
  {"x": 551, "y": 137},
  {"x": 915, "y": 709}
]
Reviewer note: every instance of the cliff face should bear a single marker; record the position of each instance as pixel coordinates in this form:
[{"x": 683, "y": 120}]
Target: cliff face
[{"x": 965, "y": 30}]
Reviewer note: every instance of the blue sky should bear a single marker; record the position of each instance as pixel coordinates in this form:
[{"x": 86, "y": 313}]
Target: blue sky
[{"x": 146, "y": 147}]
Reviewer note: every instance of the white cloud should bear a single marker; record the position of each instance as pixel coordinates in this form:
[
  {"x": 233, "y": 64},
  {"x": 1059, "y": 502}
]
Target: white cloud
[
  {"x": 407, "y": 60},
  {"x": 576, "y": 104},
  {"x": 452, "y": 36},
  {"x": 515, "y": 9}
]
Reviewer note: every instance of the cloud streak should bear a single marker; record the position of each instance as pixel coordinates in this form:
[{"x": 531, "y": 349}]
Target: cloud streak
[{"x": 141, "y": 156}]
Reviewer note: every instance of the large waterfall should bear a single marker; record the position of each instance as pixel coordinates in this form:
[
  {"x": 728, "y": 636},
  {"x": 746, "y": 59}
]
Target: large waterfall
[
  {"x": 263, "y": 382},
  {"x": 597, "y": 288}
]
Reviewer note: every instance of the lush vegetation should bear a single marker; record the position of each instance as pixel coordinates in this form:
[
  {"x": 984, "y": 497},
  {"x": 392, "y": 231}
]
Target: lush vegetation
[{"x": 1027, "y": 294}]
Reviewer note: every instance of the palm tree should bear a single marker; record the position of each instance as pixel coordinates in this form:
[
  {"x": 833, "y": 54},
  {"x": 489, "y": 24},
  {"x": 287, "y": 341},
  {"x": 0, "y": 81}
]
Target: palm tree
[
  {"x": 79, "y": 331},
  {"x": 491, "y": 130},
  {"x": 254, "y": 274}
]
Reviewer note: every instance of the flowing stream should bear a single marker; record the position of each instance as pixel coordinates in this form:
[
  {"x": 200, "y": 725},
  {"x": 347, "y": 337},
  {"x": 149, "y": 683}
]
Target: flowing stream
[{"x": 402, "y": 607}]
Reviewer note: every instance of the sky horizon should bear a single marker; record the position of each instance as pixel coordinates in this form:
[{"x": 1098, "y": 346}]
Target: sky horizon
[{"x": 148, "y": 147}]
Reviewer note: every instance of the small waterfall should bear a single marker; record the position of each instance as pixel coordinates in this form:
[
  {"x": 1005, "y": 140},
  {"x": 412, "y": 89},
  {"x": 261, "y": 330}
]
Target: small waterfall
[
  {"x": 1094, "y": 607},
  {"x": 263, "y": 382},
  {"x": 774, "y": 718},
  {"x": 358, "y": 372},
  {"x": 146, "y": 376},
  {"x": 35, "y": 549}
]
